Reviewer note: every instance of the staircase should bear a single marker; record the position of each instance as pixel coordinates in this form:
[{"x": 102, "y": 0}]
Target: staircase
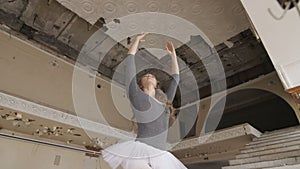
[{"x": 278, "y": 149}]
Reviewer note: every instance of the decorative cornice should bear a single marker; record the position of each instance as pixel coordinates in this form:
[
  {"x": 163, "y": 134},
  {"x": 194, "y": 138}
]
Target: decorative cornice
[{"x": 45, "y": 112}]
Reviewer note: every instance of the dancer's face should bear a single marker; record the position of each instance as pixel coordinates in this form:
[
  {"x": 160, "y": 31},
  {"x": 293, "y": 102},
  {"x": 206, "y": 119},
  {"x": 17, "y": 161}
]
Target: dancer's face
[{"x": 148, "y": 80}]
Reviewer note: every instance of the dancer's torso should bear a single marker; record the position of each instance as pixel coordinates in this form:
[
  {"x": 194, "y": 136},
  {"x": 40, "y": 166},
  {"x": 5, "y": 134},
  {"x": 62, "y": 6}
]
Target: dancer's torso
[{"x": 151, "y": 116}]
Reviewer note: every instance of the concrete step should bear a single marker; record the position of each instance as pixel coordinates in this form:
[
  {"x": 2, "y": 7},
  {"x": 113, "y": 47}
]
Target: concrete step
[
  {"x": 282, "y": 140},
  {"x": 283, "y": 135},
  {"x": 276, "y": 149},
  {"x": 272, "y": 146},
  {"x": 297, "y": 166},
  {"x": 270, "y": 151},
  {"x": 280, "y": 131},
  {"x": 274, "y": 136},
  {"x": 287, "y": 154},
  {"x": 265, "y": 164}
]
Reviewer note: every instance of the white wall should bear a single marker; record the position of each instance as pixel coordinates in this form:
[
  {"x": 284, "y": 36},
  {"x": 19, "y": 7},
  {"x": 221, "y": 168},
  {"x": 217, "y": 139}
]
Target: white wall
[
  {"x": 26, "y": 71},
  {"x": 281, "y": 38},
  {"x": 15, "y": 154}
]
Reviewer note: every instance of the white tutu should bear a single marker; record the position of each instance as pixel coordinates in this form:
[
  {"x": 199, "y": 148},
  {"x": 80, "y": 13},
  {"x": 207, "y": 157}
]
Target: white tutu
[{"x": 130, "y": 151}]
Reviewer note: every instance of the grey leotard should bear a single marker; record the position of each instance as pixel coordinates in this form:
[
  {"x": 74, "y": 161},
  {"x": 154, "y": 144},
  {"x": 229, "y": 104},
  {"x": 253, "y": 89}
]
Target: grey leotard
[{"x": 152, "y": 117}]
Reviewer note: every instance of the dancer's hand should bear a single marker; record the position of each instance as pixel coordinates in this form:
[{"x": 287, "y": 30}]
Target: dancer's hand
[
  {"x": 134, "y": 47},
  {"x": 170, "y": 48},
  {"x": 141, "y": 36}
]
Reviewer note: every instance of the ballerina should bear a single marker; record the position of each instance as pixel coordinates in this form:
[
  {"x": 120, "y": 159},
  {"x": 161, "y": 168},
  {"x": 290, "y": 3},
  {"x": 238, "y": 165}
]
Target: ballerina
[{"x": 152, "y": 108}]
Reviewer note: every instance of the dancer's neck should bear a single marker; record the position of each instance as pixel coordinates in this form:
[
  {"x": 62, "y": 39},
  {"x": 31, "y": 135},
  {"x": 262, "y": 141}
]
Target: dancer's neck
[{"x": 150, "y": 90}]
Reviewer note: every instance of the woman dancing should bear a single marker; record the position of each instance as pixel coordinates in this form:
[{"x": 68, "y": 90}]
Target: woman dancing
[{"x": 152, "y": 109}]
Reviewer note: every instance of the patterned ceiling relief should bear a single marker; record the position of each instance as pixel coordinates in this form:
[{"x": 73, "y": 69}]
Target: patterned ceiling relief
[
  {"x": 218, "y": 19},
  {"x": 90, "y": 10}
]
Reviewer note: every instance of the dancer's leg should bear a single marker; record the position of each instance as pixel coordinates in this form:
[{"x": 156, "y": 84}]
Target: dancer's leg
[{"x": 136, "y": 164}]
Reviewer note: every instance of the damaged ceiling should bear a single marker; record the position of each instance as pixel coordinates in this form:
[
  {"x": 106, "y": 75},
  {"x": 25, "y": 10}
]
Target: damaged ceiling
[{"x": 65, "y": 27}]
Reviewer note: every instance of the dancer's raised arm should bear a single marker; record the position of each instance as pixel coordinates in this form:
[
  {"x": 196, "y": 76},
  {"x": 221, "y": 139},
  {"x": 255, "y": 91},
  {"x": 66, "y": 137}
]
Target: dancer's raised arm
[
  {"x": 134, "y": 47},
  {"x": 132, "y": 89},
  {"x": 171, "y": 50},
  {"x": 171, "y": 91}
]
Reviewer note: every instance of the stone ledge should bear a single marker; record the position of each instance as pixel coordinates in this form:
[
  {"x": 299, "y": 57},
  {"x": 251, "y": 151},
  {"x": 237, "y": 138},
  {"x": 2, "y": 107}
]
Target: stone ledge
[{"x": 225, "y": 134}]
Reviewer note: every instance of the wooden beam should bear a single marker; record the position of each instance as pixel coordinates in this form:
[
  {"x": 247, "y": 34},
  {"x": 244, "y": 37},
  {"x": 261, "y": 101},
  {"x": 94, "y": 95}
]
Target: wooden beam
[{"x": 295, "y": 92}]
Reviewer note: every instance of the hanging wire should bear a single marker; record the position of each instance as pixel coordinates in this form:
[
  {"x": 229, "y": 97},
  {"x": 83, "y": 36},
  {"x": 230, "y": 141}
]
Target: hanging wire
[{"x": 287, "y": 6}]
